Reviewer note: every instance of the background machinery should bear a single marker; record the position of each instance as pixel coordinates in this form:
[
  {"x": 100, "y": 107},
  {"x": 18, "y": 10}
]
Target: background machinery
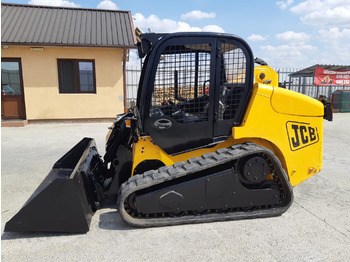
[{"x": 211, "y": 138}]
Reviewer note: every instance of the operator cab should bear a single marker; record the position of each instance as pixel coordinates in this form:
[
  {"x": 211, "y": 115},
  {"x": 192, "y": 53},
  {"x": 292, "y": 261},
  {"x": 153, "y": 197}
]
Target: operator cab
[{"x": 194, "y": 88}]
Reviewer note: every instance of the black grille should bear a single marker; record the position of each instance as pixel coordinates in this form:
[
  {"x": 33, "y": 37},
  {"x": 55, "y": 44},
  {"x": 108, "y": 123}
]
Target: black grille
[
  {"x": 182, "y": 83},
  {"x": 234, "y": 71}
]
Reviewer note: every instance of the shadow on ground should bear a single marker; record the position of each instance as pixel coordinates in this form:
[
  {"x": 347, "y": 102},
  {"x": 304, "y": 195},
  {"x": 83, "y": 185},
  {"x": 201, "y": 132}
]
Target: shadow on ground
[{"x": 112, "y": 221}]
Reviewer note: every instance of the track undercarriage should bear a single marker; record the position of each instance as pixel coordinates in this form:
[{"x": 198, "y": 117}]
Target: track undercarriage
[{"x": 243, "y": 181}]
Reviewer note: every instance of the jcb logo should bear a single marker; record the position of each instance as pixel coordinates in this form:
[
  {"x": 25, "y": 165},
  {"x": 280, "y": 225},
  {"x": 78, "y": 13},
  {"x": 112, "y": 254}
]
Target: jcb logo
[{"x": 301, "y": 135}]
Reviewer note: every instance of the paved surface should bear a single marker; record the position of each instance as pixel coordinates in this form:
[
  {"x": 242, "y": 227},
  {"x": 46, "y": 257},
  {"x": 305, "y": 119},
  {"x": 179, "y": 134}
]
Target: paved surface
[{"x": 315, "y": 228}]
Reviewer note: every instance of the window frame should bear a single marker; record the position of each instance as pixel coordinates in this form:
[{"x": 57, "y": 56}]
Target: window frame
[{"x": 76, "y": 75}]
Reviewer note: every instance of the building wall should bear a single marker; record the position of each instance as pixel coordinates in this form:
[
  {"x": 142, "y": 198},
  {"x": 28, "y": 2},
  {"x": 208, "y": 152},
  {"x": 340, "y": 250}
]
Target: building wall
[{"x": 41, "y": 88}]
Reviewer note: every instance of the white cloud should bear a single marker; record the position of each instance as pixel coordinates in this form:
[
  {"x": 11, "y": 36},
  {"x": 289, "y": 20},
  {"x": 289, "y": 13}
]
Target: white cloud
[
  {"x": 213, "y": 28},
  {"x": 324, "y": 12},
  {"x": 339, "y": 16},
  {"x": 309, "y": 6},
  {"x": 197, "y": 15},
  {"x": 334, "y": 34},
  {"x": 292, "y": 37},
  {"x": 53, "y": 3},
  {"x": 167, "y": 25},
  {"x": 256, "y": 38},
  {"x": 284, "y": 4},
  {"x": 134, "y": 60},
  {"x": 183, "y": 27},
  {"x": 336, "y": 45},
  {"x": 291, "y": 55},
  {"x": 291, "y": 49},
  {"x": 332, "y": 18},
  {"x": 161, "y": 25},
  {"x": 107, "y": 4}
]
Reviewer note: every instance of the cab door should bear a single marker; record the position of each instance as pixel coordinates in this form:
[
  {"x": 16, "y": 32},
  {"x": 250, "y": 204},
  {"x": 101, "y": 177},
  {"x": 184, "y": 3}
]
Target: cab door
[
  {"x": 178, "y": 93},
  {"x": 234, "y": 71}
]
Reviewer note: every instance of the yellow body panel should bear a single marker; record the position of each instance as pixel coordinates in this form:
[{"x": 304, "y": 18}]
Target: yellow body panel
[
  {"x": 283, "y": 130},
  {"x": 265, "y": 75},
  {"x": 288, "y": 123},
  {"x": 145, "y": 149},
  {"x": 297, "y": 104}
]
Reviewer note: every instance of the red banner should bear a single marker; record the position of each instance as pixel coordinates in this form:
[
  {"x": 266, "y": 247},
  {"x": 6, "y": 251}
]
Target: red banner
[{"x": 325, "y": 77}]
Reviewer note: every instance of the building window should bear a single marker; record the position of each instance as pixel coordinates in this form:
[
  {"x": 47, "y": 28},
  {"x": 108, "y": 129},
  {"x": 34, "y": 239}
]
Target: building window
[{"x": 76, "y": 76}]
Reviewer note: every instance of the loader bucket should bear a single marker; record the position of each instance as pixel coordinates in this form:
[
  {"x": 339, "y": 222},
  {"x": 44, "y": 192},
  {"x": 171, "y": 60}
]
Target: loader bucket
[{"x": 64, "y": 201}]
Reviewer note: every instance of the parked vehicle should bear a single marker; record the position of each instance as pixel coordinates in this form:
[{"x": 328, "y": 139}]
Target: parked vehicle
[{"x": 211, "y": 138}]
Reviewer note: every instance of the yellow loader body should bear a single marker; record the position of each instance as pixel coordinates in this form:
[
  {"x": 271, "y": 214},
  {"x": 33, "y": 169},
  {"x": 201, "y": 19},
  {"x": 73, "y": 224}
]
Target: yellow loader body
[{"x": 288, "y": 123}]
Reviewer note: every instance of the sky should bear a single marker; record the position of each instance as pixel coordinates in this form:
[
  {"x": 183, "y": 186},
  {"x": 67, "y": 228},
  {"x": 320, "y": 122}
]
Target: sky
[{"x": 285, "y": 33}]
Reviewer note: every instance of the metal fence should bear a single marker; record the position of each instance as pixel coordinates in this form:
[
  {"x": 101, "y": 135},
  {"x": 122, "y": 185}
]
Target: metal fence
[
  {"x": 132, "y": 83},
  {"x": 302, "y": 85}
]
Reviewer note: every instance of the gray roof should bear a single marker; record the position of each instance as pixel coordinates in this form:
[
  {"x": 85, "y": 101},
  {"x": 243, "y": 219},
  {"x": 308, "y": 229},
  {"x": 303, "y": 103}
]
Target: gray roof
[
  {"x": 63, "y": 26},
  {"x": 310, "y": 71}
]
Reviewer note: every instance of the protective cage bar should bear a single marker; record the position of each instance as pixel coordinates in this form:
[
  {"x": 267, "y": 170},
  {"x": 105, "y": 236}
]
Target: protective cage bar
[
  {"x": 182, "y": 82},
  {"x": 232, "y": 80}
]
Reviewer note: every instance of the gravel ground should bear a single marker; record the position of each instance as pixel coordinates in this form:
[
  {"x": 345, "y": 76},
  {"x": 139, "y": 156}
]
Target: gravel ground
[{"x": 315, "y": 228}]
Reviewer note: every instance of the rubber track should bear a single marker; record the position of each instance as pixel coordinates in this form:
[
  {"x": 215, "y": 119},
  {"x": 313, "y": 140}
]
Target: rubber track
[{"x": 180, "y": 169}]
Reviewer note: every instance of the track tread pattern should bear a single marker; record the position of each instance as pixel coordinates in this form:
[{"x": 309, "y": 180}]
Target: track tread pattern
[{"x": 180, "y": 169}]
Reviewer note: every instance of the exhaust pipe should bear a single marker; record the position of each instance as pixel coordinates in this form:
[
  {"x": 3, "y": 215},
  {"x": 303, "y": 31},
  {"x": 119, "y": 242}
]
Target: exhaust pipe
[{"x": 67, "y": 198}]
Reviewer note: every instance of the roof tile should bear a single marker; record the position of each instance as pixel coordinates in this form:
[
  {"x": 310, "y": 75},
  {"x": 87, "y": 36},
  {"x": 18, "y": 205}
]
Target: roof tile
[{"x": 48, "y": 25}]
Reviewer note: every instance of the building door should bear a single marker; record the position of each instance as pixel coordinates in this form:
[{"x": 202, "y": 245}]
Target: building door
[{"x": 12, "y": 96}]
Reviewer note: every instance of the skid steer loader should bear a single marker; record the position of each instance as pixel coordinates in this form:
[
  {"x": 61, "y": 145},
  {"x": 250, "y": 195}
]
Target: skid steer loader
[{"x": 211, "y": 138}]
